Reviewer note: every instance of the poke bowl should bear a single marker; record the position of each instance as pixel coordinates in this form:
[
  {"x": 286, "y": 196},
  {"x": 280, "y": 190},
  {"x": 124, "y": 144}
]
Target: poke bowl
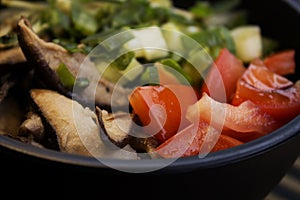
[{"x": 242, "y": 155}]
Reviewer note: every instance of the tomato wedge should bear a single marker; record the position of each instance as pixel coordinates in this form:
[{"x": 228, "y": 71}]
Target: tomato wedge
[
  {"x": 161, "y": 108},
  {"x": 195, "y": 139},
  {"x": 262, "y": 78},
  {"x": 247, "y": 117},
  {"x": 271, "y": 92},
  {"x": 222, "y": 76},
  {"x": 187, "y": 142},
  {"x": 282, "y": 62},
  {"x": 243, "y": 137},
  {"x": 282, "y": 104}
]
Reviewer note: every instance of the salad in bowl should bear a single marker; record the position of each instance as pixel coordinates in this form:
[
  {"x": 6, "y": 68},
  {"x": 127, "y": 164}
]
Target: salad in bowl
[{"x": 138, "y": 79}]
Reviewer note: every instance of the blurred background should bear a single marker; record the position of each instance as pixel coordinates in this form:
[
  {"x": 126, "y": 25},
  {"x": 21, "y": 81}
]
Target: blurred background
[{"x": 289, "y": 186}]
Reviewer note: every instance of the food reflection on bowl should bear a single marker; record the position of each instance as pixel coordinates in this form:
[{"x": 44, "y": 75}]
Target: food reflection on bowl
[{"x": 244, "y": 163}]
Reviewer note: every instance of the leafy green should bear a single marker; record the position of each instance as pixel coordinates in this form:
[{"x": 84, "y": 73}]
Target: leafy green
[
  {"x": 202, "y": 9},
  {"x": 81, "y": 25},
  {"x": 215, "y": 39},
  {"x": 150, "y": 76},
  {"x": 69, "y": 80},
  {"x": 123, "y": 61},
  {"x": 219, "y": 13},
  {"x": 83, "y": 21},
  {"x": 176, "y": 66},
  {"x": 65, "y": 76}
]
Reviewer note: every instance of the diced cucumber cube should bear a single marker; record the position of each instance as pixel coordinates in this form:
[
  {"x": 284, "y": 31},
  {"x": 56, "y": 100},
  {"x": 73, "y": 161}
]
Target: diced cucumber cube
[
  {"x": 248, "y": 42},
  {"x": 149, "y": 43},
  {"x": 172, "y": 35}
]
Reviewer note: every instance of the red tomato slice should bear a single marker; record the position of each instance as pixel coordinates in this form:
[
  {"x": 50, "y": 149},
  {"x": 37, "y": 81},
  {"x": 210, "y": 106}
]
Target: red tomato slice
[
  {"x": 282, "y": 63},
  {"x": 262, "y": 78},
  {"x": 243, "y": 137},
  {"x": 273, "y": 93},
  {"x": 161, "y": 108},
  {"x": 247, "y": 117},
  {"x": 222, "y": 76},
  {"x": 190, "y": 142},
  {"x": 282, "y": 104},
  {"x": 187, "y": 142}
]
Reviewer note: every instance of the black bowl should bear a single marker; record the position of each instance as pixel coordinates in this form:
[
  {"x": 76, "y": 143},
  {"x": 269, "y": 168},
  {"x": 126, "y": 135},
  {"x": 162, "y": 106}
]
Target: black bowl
[{"x": 249, "y": 171}]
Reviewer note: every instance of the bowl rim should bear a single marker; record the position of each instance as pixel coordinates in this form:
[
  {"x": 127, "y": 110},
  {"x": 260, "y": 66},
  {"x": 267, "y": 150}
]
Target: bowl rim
[{"x": 215, "y": 159}]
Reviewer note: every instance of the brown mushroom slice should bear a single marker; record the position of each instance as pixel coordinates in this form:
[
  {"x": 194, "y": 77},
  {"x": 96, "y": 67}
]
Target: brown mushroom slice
[
  {"x": 12, "y": 56},
  {"x": 46, "y": 58},
  {"x": 11, "y": 116},
  {"x": 116, "y": 126},
  {"x": 13, "y": 60},
  {"x": 32, "y": 127},
  {"x": 27, "y": 140},
  {"x": 76, "y": 127},
  {"x": 147, "y": 145},
  {"x": 6, "y": 83}
]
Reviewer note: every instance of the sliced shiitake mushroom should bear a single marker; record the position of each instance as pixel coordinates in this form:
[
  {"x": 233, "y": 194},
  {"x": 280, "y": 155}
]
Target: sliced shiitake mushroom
[
  {"x": 12, "y": 56},
  {"x": 6, "y": 83},
  {"x": 13, "y": 60},
  {"x": 46, "y": 57},
  {"x": 116, "y": 126},
  {"x": 10, "y": 121},
  {"x": 32, "y": 127},
  {"x": 15, "y": 78},
  {"x": 76, "y": 127}
]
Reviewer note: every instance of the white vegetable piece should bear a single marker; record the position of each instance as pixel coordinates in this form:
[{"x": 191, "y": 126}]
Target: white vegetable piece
[
  {"x": 172, "y": 35},
  {"x": 148, "y": 43},
  {"x": 248, "y": 42}
]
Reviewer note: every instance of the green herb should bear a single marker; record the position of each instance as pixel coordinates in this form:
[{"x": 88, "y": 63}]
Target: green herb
[
  {"x": 219, "y": 13},
  {"x": 83, "y": 22},
  {"x": 215, "y": 39},
  {"x": 65, "y": 76},
  {"x": 123, "y": 61},
  {"x": 150, "y": 76},
  {"x": 202, "y": 9},
  {"x": 176, "y": 66}
]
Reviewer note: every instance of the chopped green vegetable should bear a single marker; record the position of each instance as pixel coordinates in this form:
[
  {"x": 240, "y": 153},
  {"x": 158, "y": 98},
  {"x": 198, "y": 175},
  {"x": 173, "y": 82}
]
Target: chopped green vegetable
[
  {"x": 142, "y": 31},
  {"x": 123, "y": 61},
  {"x": 68, "y": 79},
  {"x": 202, "y": 9},
  {"x": 119, "y": 39},
  {"x": 172, "y": 64},
  {"x": 133, "y": 70},
  {"x": 84, "y": 22},
  {"x": 150, "y": 76},
  {"x": 215, "y": 39},
  {"x": 65, "y": 76}
]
